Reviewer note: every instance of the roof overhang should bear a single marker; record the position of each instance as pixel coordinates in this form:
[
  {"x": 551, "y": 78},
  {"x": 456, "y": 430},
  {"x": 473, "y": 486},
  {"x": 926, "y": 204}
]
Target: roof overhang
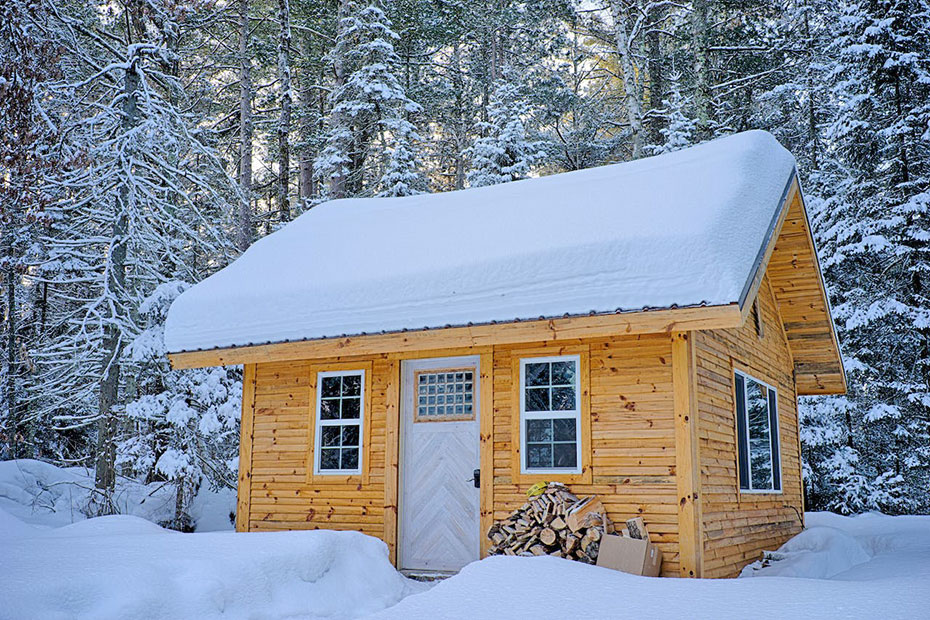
[
  {"x": 789, "y": 259},
  {"x": 542, "y": 330}
]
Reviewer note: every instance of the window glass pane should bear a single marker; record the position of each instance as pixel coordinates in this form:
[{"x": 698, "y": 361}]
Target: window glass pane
[
  {"x": 350, "y": 458},
  {"x": 538, "y": 430},
  {"x": 329, "y": 435},
  {"x": 760, "y": 447},
  {"x": 350, "y": 435},
  {"x": 351, "y": 408},
  {"x": 329, "y": 458},
  {"x": 537, "y": 374},
  {"x": 329, "y": 409},
  {"x": 537, "y": 399},
  {"x": 563, "y": 373},
  {"x": 351, "y": 385},
  {"x": 330, "y": 386},
  {"x": 564, "y": 455},
  {"x": 538, "y": 456},
  {"x": 563, "y": 399},
  {"x": 564, "y": 429}
]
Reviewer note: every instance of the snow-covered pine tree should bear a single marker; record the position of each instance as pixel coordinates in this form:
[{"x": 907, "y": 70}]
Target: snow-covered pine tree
[
  {"x": 680, "y": 129},
  {"x": 874, "y": 230},
  {"x": 183, "y": 425},
  {"x": 504, "y": 153},
  {"x": 402, "y": 175},
  {"x": 367, "y": 93},
  {"x": 141, "y": 207}
]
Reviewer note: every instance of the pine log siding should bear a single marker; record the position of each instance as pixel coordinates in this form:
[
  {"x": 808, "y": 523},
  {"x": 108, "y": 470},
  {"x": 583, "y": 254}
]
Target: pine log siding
[
  {"x": 281, "y": 494},
  {"x": 632, "y": 433},
  {"x": 737, "y": 527},
  {"x": 629, "y": 442}
]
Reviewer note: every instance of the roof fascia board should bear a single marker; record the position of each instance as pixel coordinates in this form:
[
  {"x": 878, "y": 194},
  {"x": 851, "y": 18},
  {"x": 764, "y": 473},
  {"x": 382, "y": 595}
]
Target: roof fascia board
[
  {"x": 751, "y": 287},
  {"x": 544, "y": 330}
]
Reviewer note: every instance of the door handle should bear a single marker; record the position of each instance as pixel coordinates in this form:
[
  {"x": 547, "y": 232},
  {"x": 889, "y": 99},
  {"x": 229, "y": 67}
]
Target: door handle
[{"x": 476, "y": 478}]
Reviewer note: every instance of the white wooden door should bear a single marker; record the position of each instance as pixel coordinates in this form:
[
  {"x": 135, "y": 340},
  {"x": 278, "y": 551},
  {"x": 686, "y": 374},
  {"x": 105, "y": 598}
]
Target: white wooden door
[{"x": 439, "y": 503}]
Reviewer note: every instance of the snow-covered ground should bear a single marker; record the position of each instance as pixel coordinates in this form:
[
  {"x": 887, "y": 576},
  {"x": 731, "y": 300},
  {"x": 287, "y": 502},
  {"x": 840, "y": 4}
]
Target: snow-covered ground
[
  {"x": 43, "y": 494},
  {"x": 866, "y": 567},
  {"x": 54, "y": 564},
  {"x": 124, "y": 567}
]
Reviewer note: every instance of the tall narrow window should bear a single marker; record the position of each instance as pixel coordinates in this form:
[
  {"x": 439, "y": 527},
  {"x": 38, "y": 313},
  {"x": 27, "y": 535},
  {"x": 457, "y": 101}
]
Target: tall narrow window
[
  {"x": 550, "y": 415},
  {"x": 339, "y": 411},
  {"x": 759, "y": 459}
]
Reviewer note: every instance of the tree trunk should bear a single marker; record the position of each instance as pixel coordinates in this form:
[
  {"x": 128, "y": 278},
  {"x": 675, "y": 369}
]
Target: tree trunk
[
  {"x": 633, "y": 105},
  {"x": 105, "y": 475},
  {"x": 460, "y": 129},
  {"x": 284, "y": 121},
  {"x": 11, "y": 365},
  {"x": 654, "y": 66},
  {"x": 337, "y": 183},
  {"x": 244, "y": 221},
  {"x": 306, "y": 180},
  {"x": 699, "y": 17}
]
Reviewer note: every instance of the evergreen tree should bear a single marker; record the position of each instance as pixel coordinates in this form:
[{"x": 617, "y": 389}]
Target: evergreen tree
[
  {"x": 367, "y": 93},
  {"x": 679, "y": 130},
  {"x": 402, "y": 175},
  {"x": 504, "y": 153},
  {"x": 183, "y": 425}
]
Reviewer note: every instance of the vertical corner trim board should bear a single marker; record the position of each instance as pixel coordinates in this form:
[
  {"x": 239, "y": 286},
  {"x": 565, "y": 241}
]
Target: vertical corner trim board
[
  {"x": 391, "y": 456},
  {"x": 688, "y": 475},
  {"x": 486, "y": 431},
  {"x": 244, "y": 500}
]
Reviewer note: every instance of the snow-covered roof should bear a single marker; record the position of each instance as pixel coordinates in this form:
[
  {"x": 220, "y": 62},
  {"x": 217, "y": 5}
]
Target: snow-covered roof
[{"x": 680, "y": 229}]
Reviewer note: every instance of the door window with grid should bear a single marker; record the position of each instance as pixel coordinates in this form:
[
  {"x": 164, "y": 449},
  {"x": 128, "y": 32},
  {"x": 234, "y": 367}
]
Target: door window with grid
[{"x": 444, "y": 395}]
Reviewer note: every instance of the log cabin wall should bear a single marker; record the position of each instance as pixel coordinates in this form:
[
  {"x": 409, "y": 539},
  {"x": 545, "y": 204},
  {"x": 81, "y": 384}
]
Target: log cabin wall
[
  {"x": 632, "y": 435},
  {"x": 629, "y": 448},
  {"x": 275, "y": 475},
  {"x": 737, "y": 527}
]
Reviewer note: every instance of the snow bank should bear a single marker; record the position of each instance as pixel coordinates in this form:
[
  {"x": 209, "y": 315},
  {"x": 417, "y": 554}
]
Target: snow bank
[
  {"x": 817, "y": 552},
  {"x": 42, "y": 494},
  {"x": 884, "y": 565},
  {"x": 680, "y": 228},
  {"x": 126, "y": 567},
  {"x": 833, "y": 545}
]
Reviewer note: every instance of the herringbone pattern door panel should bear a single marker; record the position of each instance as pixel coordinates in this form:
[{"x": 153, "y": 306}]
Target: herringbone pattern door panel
[{"x": 439, "y": 504}]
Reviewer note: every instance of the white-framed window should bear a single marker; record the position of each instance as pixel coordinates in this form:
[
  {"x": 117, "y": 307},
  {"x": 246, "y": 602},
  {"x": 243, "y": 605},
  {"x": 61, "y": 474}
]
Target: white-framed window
[
  {"x": 550, "y": 415},
  {"x": 340, "y": 408},
  {"x": 758, "y": 453}
]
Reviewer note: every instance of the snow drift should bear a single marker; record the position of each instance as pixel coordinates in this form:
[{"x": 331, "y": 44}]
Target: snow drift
[
  {"x": 124, "y": 567},
  {"x": 878, "y": 567},
  {"x": 42, "y": 494}
]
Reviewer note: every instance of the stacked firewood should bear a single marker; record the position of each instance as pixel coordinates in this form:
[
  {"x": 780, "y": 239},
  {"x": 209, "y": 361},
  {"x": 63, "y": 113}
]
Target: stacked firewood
[{"x": 554, "y": 522}]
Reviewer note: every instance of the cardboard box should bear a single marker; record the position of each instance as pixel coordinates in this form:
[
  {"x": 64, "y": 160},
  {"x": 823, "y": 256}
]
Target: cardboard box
[{"x": 630, "y": 555}]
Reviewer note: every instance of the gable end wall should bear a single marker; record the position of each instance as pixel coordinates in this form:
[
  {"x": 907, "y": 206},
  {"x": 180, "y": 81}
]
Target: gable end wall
[{"x": 737, "y": 527}]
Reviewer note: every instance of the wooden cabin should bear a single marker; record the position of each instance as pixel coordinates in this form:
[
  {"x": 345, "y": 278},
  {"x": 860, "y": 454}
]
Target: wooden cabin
[{"x": 639, "y": 331}]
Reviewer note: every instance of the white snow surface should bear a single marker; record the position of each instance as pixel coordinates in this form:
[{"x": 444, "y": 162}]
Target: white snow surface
[
  {"x": 865, "y": 567},
  {"x": 680, "y": 228},
  {"x": 43, "y": 495},
  {"x": 127, "y": 568}
]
